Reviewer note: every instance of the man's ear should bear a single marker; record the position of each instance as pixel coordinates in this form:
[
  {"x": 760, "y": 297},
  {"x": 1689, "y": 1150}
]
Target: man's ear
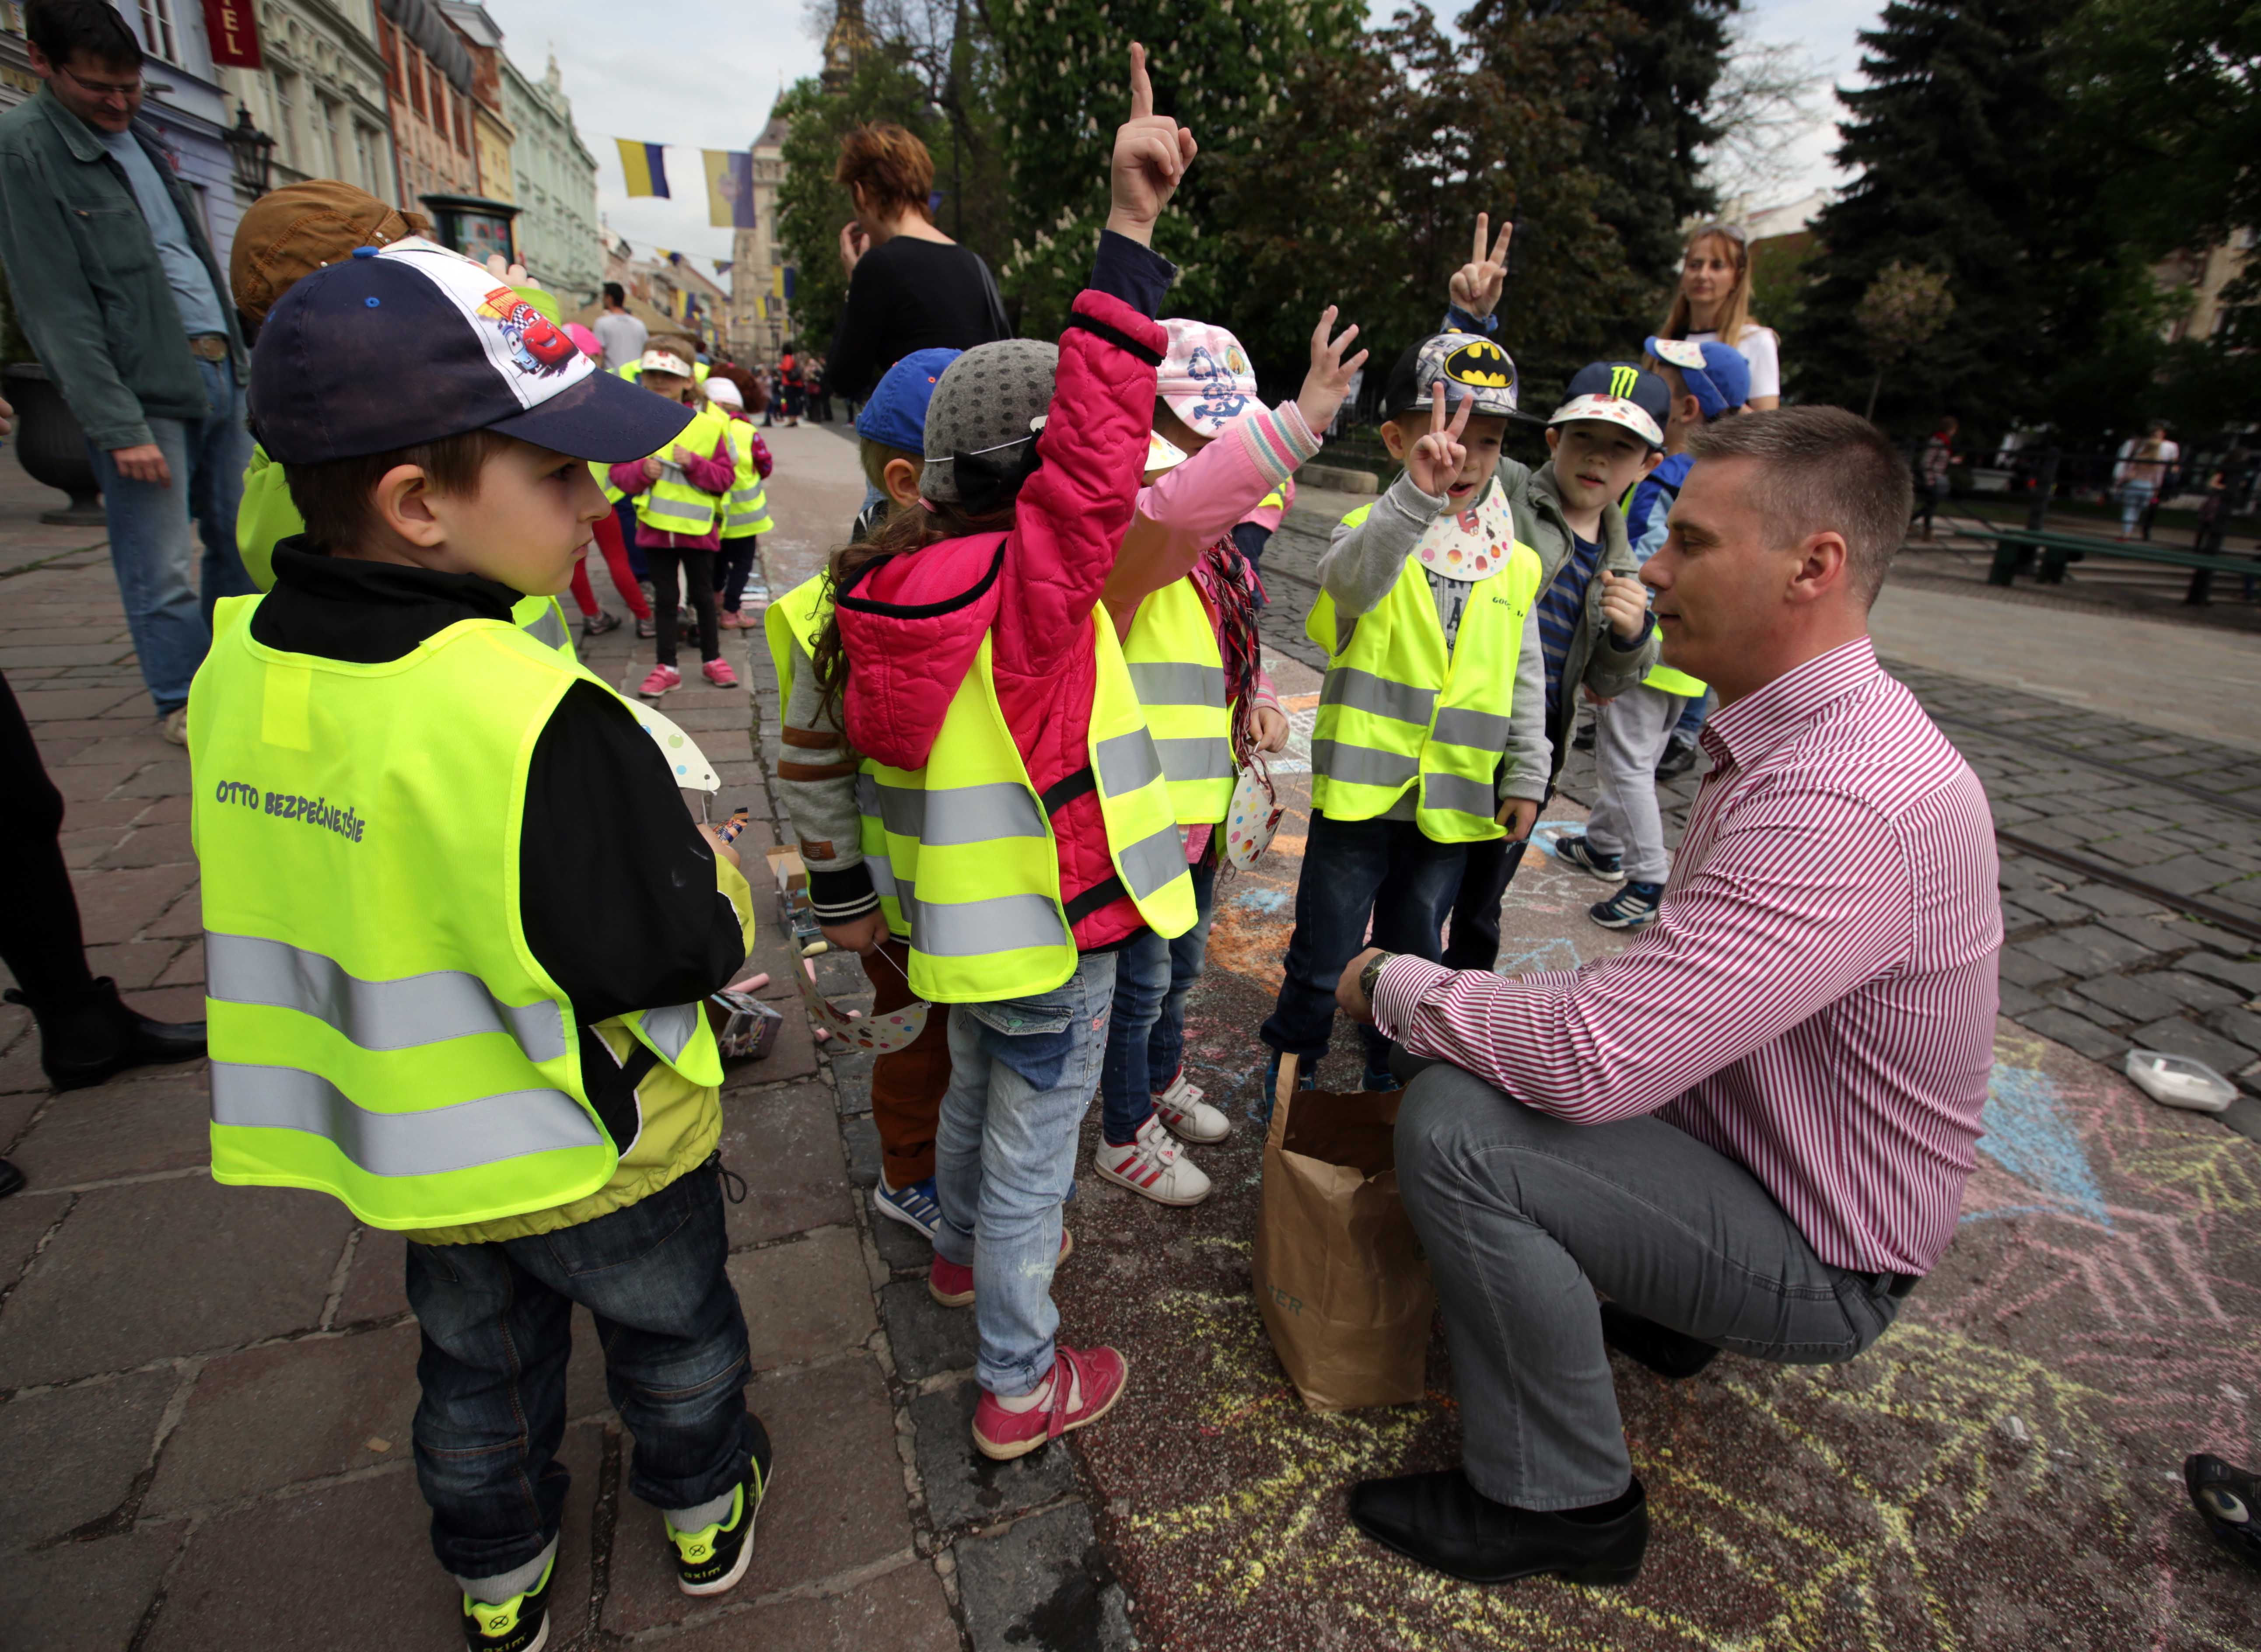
[
  {"x": 402, "y": 503},
  {"x": 900, "y": 481},
  {"x": 1824, "y": 565}
]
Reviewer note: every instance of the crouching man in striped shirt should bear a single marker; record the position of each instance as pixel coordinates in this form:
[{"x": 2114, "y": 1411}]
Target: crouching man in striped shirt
[{"x": 1751, "y": 1130}]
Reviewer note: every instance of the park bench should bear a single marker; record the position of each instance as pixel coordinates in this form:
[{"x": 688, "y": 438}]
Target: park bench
[{"x": 2014, "y": 547}]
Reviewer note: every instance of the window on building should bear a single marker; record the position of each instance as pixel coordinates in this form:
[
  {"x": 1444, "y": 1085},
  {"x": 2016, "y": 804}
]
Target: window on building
[
  {"x": 388, "y": 47},
  {"x": 333, "y": 140},
  {"x": 414, "y": 60},
  {"x": 439, "y": 98},
  {"x": 157, "y": 35},
  {"x": 464, "y": 124},
  {"x": 365, "y": 158},
  {"x": 286, "y": 117}
]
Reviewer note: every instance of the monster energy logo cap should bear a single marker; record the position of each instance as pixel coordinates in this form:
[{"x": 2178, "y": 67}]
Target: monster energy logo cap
[{"x": 1618, "y": 393}]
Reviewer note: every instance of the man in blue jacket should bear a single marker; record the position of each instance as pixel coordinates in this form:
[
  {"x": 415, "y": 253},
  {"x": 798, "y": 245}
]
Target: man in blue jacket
[{"x": 122, "y": 301}]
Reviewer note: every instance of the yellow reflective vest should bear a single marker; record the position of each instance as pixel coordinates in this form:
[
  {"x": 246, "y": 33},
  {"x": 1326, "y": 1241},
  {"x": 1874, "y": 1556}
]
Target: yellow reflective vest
[
  {"x": 1177, "y": 672},
  {"x": 1399, "y": 710},
  {"x": 747, "y": 510},
  {"x": 380, "y": 1030},
  {"x": 670, "y": 504},
  {"x": 968, "y": 861}
]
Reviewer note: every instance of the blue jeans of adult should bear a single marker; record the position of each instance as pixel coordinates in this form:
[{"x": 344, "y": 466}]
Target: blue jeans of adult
[
  {"x": 1346, "y": 866},
  {"x": 2134, "y": 498},
  {"x": 1021, "y": 1072},
  {"x": 154, "y": 534},
  {"x": 498, "y": 1329}
]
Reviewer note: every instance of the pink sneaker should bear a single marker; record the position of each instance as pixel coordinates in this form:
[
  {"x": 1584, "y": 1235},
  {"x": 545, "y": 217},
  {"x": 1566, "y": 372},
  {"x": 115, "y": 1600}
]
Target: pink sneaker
[
  {"x": 730, "y": 620},
  {"x": 952, "y": 1284},
  {"x": 662, "y": 678},
  {"x": 1084, "y": 1386},
  {"x": 718, "y": 672}
]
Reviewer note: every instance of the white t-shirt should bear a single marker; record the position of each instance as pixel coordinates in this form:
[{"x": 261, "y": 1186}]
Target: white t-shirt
[
  {"x": 623, "y": 337},
  {"x": 1762, "y": 349},
  {"x": 2153, "y": 470}
]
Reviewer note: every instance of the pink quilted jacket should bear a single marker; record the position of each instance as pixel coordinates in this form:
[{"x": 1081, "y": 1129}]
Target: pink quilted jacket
[{"x": 911, "y": 627}]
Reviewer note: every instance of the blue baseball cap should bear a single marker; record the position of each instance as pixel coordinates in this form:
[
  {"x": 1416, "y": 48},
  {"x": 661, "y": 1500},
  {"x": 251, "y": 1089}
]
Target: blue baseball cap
[
  {"x": 896, "y": 414},
  {"x": 412, "y": 342},
  {"x": 1716, "y": 374},
  {"x": 1619, "y": 393}
]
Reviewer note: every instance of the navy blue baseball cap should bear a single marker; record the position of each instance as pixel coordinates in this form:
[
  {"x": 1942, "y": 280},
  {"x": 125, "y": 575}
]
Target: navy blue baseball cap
[
  {"x": 412, "y": 342},
  {"x": 1618, "y": 393},
  {"x": 896, "y": 412},
  {"x": 1716, "y": 374}
]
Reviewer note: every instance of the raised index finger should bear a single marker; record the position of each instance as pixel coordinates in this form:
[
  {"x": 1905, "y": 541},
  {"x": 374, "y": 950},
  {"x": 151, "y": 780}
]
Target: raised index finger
[
  {"x": 1483, "y": 228},
  {"x": 1141, "y": 89},
  {"x": 1437, "y": 407}
]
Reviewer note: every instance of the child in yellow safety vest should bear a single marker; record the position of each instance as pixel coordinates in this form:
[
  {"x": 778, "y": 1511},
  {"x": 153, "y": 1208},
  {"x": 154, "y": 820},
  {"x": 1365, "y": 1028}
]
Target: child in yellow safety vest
[
  {"x": 416, "y": 1001},
  {"x": 682, "y": 500},
  {"x": 1624, "y": 839},
  {"x": 745, "y": 514},
  {"x": 1184, "y": 595}
]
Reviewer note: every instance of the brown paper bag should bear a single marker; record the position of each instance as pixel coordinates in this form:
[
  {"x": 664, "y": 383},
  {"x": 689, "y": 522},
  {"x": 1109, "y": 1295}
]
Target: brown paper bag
[{"x": 1338, "y": 1274}]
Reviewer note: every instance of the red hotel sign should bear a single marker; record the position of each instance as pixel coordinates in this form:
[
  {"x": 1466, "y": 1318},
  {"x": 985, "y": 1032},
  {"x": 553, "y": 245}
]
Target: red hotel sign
[{"x": 233, "y": 32}]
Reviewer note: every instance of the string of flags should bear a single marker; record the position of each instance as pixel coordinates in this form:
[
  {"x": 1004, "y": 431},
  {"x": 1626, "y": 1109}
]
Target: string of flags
[{"x": 730, "y": 179}]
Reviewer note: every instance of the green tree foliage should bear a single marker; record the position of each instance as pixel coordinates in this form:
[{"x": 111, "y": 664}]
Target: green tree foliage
[
  {"x": 1902, "y": 310},
  {"x": 1639, "y": 91},
  {"x": 1961, "y": 143},
  {"x": 1362, "y": 190},
  {"x": 2168, "y": 95},
  {"x": 1221, "y": 68}
]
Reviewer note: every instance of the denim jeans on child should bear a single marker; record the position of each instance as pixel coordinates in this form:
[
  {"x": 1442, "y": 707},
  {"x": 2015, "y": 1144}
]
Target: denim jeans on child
[
  {"x": 1142, "y": 987},
  {"x": 1346, "y": 864},
  {"x": 154, "y": 534},
  {"x": 497, "y": 1321},
  {"x": 1021, "y": 1072},
  {"x": 1166, "y": 1049}
]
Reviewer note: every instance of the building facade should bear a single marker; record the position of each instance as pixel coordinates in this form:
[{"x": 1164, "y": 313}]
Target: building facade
[
  {"x": 320, "y": 92},
  {"x": 492, "y": 137},
  {"x": 555, "y": 177},
  {"x": 427, "y": 80},
  {"x": 760, "y": 314}
]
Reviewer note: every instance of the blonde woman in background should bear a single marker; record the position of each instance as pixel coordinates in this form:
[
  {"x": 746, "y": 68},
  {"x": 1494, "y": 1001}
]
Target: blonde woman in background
[{"x": 1714, "y": 302}]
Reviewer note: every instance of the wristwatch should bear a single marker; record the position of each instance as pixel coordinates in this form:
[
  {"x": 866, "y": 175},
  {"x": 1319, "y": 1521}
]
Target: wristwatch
[{"x": 1372, "y": 972}]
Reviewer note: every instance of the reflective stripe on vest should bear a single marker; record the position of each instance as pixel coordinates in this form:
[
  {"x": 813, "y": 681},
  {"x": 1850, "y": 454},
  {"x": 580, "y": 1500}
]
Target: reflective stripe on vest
[
  {"x": 1399, "y": 709},
  {"x": 962, "y": 854},
  {"x": 1177, "y": 672},
  {"x": 379, "y": 1030},
  {"x": 539, "y": 618}
]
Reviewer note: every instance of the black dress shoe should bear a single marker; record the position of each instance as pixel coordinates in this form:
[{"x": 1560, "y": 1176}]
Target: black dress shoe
[
  {"x": 1671, "y": 1354},
  {"x": 91, "y": 1036},
  {"x": 1679, "y": 756},
  {"x": 2228, "y": 1500},
  {"x": 1444, "y": 1522}
]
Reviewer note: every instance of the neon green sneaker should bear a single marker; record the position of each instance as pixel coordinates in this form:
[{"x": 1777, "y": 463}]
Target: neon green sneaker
[
  {"x": 520, "y": 1624},
  {"x": 711, "y": 1560}
]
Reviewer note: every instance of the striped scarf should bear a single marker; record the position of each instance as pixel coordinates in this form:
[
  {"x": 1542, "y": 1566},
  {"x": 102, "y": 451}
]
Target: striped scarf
[{"x": 1225, "y": 577}]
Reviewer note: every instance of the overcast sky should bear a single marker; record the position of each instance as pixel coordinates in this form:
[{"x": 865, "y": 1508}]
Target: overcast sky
[{"x": 708, "y": 79}]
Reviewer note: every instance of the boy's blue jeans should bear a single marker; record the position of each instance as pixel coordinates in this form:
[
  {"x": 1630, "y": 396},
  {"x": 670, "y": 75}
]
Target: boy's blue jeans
[
  {"x": 1346, "y": 864},
  {"x": 497, "y": 1322},
  {"x": 1146, "y": 1040},
  {"x": 1021, "y": 1072}
]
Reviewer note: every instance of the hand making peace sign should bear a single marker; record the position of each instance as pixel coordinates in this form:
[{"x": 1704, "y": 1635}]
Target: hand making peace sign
[
  {"x": 1477, "y": 284},
  {"x": 1435, "y": 461}
]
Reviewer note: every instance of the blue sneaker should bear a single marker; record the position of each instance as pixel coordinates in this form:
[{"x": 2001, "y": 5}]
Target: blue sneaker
[
  {"x": 1306, "y": 1078},
  {"x": 1574, "y": 848},
  {"x": 1630, "y": 907},
  {"x": 1379, "y": 1080},
  {"x": 914, "y": 1206}
]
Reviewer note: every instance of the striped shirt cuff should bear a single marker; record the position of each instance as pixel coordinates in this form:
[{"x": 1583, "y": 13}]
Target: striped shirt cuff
[
  {"x": 1397, "y": 991},
  {"x": 1278, "y": 441}
]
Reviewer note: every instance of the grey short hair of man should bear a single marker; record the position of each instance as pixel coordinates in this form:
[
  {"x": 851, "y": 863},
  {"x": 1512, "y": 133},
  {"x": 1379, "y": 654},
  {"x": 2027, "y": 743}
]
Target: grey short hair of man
[{"x": 1822, "y": 469}]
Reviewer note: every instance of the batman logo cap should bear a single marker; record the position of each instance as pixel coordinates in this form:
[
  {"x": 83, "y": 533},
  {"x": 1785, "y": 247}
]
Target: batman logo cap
[{"x": 1467, "y": 363}]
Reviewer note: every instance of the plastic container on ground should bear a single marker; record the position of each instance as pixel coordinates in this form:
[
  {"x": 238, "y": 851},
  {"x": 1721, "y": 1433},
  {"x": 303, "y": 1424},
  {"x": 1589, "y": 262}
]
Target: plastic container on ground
[{"x": 2178, "y": 1081}]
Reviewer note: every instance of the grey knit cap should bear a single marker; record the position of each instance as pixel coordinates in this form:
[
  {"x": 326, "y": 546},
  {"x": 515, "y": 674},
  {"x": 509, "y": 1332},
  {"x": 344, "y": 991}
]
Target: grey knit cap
[{"x": 991, "y": 396}]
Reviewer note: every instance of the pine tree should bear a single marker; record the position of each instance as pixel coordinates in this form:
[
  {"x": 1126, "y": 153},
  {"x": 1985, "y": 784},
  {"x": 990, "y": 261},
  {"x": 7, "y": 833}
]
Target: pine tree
[{"x": 1961, "y": 141}]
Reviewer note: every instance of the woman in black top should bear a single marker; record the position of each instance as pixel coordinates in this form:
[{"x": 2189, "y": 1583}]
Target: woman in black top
[{"x": 910, "y": 287}]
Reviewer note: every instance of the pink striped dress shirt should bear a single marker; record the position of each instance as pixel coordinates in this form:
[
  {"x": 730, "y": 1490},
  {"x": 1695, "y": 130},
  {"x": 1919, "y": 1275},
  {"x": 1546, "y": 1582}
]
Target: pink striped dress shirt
[{"x": 1816, "y": 996}]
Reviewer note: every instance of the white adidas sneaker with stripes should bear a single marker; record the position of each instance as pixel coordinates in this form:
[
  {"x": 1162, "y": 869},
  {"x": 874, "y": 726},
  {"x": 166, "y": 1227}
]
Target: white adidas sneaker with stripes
[{"x": 1152, "y": 1165}]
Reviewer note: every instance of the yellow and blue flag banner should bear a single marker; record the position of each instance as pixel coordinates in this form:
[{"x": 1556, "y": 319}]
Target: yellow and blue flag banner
[
  {"x": 729, "y": 187},
  {"x": 645, "y": 165}
]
